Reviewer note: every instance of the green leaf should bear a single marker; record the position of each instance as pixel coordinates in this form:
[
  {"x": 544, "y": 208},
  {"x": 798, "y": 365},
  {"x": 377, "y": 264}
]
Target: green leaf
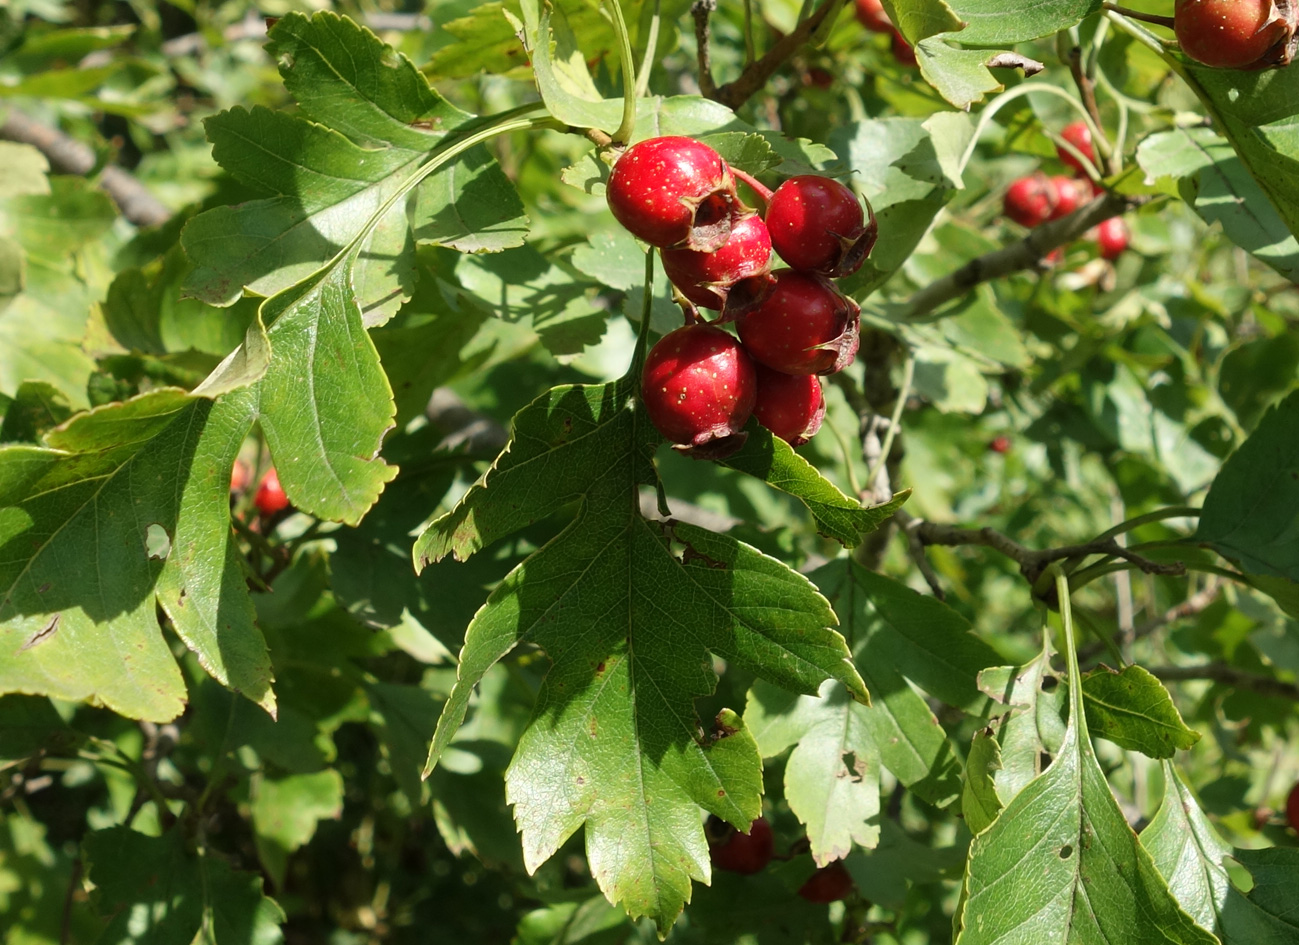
[
  {"x": 1034, "y": 727},
  {"x": 141, "y": 489},
  {"x": 1275, "y": 872},
  {"x": 628, "y": 612},
  {"x": 37, "y": 408},
  {"x": 29, "y": 724},
  {"x": 980, "y": 804},
  {"x": 562, "y": 77},
  {"x": 961, "y": 76},
  {"x": 286, "y": 811},
  {"x": 992, "y": 23},
  {"x": 158, "y": 892},
  {"x": 25, "y": 170},
  {"x": 1061, "y": 862},
  {"x": 1251, "y": 514},
  {"x": 1133, "y": 709},
  {"x": 1193, "y": 858}
]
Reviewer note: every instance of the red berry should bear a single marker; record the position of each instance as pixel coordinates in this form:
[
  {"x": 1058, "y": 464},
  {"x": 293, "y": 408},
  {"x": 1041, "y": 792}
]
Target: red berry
[
  {"x": 799, "y": 323},
  {"x": 828, "y": 884},
  {"x": 674, "y": 192},
  {"x": 1000, "y": 444},
  {"x": 699, "y": 386},
  {"x": 1030, "y": 200},
  {"x": 706, "y": 278},
  {"x": 239, "y": 476},
  {"x": 1292, "y": 808},
  {"x": 817, "y": 225},
  {"x": 1070, "y": 194},
  {"x": 744, "y": 852},
  {"x": 870, "y": 14},
  {"x": 1112, "y": 237},
  {"x": 791, "y": 406},
  {"x": 1080, "y": 136},
  {"x": 818, "y": 78},
  {"x": 903, "y": 51},
  {"x": 270, "y": 496},
  {"x": 1232, "y": 34}
]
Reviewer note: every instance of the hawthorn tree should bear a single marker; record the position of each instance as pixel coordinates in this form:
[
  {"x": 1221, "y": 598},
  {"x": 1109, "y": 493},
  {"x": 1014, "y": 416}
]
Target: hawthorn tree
[{"x": 352, "y": 593}]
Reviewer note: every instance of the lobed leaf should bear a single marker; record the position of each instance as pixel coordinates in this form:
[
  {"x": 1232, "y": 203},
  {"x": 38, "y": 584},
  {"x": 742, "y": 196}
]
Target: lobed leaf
[{"x": 1133, "y": 709}]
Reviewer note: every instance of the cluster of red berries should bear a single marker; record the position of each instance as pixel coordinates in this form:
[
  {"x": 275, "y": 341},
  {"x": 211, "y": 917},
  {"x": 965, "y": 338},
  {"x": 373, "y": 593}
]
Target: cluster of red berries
[
  {"x": 700, "y": 384},
  {"x": 870, "y": 14},
  {"x": 1033, "y": 200},
  {"x": 749, "y": 853},
  {"x": 1237, "y": 34},
  {"x": 269, "y": 497}
]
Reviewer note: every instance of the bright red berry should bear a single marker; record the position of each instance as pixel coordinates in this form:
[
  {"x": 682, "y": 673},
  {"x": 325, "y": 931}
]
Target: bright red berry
[
  {"x": 1070, "y": 194},
  {"x": 903, "y": 51},
  {"x": 744, "y": 852},
  {"x": 1030, "y": 200},
  {"x": 699, "y": 387},
  {"x": 800, "y": 324},
  {"x": 270, "y": 497},
  {"x": 674, "y": 191},
  {"x": 1080, "y": 136},
  {"x": 791, "y": 406},
  {"x": 1112, "y": 237},
  {"x": 870, "y": 14},
  {"x": 828, "y": 884},
  {"x": 1232, "y": 34},
  {"x": 1000, "y": 444},
  {"x": 817, "y": 225},
  {"x": 1292, "y": 808},
  {"x": 706, "y": 278}
]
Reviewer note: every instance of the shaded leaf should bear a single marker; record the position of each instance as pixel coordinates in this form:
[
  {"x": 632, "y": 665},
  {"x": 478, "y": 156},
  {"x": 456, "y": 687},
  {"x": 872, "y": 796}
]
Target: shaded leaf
[
  {"x": 980, "y": 804},
  {"x": 1133, "y": 709}
]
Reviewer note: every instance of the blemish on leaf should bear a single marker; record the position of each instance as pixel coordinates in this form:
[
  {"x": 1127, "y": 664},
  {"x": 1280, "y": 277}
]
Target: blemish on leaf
[{"x": 43, "y": 634}]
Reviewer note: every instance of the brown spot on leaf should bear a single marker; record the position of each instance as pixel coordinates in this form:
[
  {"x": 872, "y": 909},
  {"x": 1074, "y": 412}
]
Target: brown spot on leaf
[{"x": 43, "y": 634}]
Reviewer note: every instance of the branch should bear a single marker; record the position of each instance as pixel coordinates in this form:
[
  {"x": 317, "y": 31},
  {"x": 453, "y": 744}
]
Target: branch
[
  {"x": 755, "y": 75},
  {"x": 701, "y": 10},
  {"x": 1087, "y": 91},
  {"x": 1229, "y": 676},
  {"x": 1026, "y": 254},
  {"x": 69, "y": 156}
]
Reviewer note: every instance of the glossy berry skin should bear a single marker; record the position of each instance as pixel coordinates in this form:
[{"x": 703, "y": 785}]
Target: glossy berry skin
[
  {"x": 699, "y": 387},
  {"x": 1030, "y": 200},
  {"x": 1231, "y": 34},
  {"x": 674, "y": 191},
  {"x": 817, "y": 225},
  {"x": 1292, "y": 808},
  {"x": 801, "y": 324},
  {"x": 870, "y": 14},
  {"x": 745, "y": 853},
  {"x": 270, "y": 497},
  {"x": 706, "y": 278},
  {"x": 828, "y": 884},
  {"x": 1112, "y": 238},
  {"x": 1070, "y": 194},
  {"x": 1080, "y": 136},
  {"x": 791, "y": 406}
]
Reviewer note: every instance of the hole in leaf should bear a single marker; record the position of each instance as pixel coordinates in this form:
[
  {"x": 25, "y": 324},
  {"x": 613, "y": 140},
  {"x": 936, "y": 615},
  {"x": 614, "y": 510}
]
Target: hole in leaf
[
  {"x": 157, "y": 542},
  {"x": 1066, "y": 851},
  {"x": 1049, "y": 683}
]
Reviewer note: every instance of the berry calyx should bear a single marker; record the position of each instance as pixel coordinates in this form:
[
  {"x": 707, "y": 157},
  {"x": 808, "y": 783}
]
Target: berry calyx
[
  {"x": 1292, "y": 808},
  {"x": 1233, "y": 34},
  {"x": 870, "y": 14},
  {"x": 745, "y": 853},
  {"x": 791, "y": 406},
  {"x": 817, "y": 225},
  {"x": 828, "y": 884},
  {"x": 1080, "y": 136},
  {"x": 674, "y": 191},
  {"x": 699, "y": 388},
  {"x": 798, "y": 323},
  {"x": 1112, "y": 238},
  {"x": 270, "y": 497},
  {"x": 706, "y": 278},
  {"x": 1030, "y": 200}
]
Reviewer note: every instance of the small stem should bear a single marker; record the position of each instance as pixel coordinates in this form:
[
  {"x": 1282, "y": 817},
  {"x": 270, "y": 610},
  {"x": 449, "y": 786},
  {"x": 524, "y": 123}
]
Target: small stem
[
  {"x": 763, "y": 192},
  {"x": 750, "y": 53},
  {"x": 853, "y": 482},
  {"x": 643, "y": 331},
  {"x": 701, "y": 10},
  {"x": 1087, "y": 90},
  {"x": 1229, "y": 676},
  {"x": 908, "y": 375},
  {"x": 755, "y": 76},
  {"x": 1166, "y": 21},
  {"x": 651, "y": 48},
  {"x": 628, "y": 125}
]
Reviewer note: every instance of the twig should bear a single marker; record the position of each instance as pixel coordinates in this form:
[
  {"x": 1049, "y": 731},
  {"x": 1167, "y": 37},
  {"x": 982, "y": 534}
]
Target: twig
[
  {"x": 74, "y": 880},
  {"x": 1087, "y": 91},
  {"x": 1026, "y": 254},
  {"x": 755, "y": 76},
  {"x": 701, "y": 10},
  {"x": 1155, "y": 18},
  {"x": 1229, "y": 676},
  {"x": 1195, "y": 604},
  {"x": 916, "y": 548},
  {"x": 70, "y": 156}
]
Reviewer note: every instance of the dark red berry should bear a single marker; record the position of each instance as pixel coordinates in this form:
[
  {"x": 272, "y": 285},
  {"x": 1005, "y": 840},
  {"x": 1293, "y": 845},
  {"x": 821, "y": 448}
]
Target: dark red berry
[
  {"x": 746, "y": 853},
  {"x": 1112, "y": 237},
  {"x": 817, "y": 225},
  {"x": 1070, "y": 194},
  {"x": 1292, "y": 808},
  {"x": 791, "y": 406},
  {"x": 1233, "y": 34},
  {"x": 818, "y": 78},
  {"x": 828, "y": 884},
  {"x": 674, "y": 191},
  {"x": 799, "y": 323},
  {"x": 270, "y": 497},
  {"x": 1030, "y": 200},
  {"x": 870, "y": 14},
  {"x": 706, "y": 278},
  {"x": 1080, "y": 136},
  {"x": 903, "y": 51},
  {"x": 699, "y": 387},
  {"x": 1000, "y": 444}
]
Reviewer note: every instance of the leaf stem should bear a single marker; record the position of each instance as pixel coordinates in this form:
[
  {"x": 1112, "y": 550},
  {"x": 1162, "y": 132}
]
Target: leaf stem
[
  {"x": 908, "y": 375},
  {"x": 651, "y": 48},
  {"x": 643, "y": 332},
  {"x": 629, "y": 79}
]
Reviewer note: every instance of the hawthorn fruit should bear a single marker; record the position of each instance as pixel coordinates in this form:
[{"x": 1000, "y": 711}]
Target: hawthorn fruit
[
  {"x": 799, "y": 324},
  {"x": 706, "y": 278},
  {"x": 1232, "y": 34},
  {"x": 870, "y": 14},
  {"x": 791, "y": 406},
  {"x": 1112, "y": 238},
  {"x": 1080, "y": 136},
  {"x": 1031, "y": 200},
  {"x": 817, "y": 225},
  {"x": 270, "y": 497},
  {"x": 828, "y": 884},
  {"x": 745, "y": 853}
]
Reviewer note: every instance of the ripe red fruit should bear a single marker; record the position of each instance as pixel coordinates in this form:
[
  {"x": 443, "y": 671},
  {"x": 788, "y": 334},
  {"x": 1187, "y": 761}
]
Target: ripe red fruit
[
  {"x": 870, "y": 14},
  {"x": 1030, "y": 200},
  {"x": 674, "y": 191},
  {"x": 1080, "y": 136},
  {"x": 270, "y": 497},
  {"x": 828, "y": 884},
  {"x": 1232, "y": 34},
  {"x": 745, "y": 853},
  {"x": 706, "y": 278},
  {"x": 1112, "y": 237},
  {"x": 699, "y": 387},
  {"x": 903, "y": 51},
  {"x": 798, "y": 323},
  {"x": 1070, "y": 193},
  {"x": 1000, "y": 444},
  {"x": 791, "y": 406},
  {"x": 1292, "y": 808},
  {"x": 817, "y": 225}
]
